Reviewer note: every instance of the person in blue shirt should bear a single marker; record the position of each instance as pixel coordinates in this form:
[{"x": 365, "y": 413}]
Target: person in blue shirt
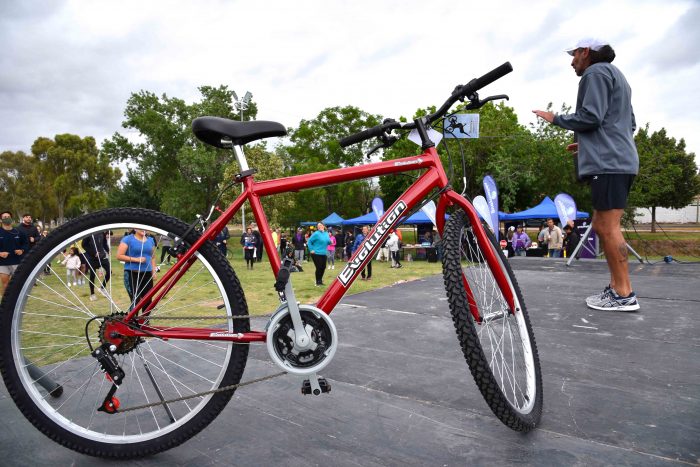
[
  {"x": 367, "y": 271},
  {"x": 13, "y": 244},
  {"x": 318, "y": 247},
  {"x": 137, "y": 251}
]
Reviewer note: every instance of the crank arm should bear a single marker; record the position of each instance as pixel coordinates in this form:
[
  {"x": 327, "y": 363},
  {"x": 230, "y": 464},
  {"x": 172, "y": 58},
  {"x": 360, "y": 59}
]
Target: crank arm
[{"x": 302, "y": 340}]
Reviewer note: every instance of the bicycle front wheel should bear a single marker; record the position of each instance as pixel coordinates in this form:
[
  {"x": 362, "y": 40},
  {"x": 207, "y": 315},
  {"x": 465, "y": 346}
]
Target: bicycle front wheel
[
  {"x": 51, "y": 320},
  {"x": 499, "y": 346}
]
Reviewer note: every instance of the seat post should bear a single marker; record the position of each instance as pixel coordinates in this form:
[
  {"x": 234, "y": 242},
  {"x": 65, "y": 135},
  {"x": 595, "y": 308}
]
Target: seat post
[{"x": 242, "y": 161}]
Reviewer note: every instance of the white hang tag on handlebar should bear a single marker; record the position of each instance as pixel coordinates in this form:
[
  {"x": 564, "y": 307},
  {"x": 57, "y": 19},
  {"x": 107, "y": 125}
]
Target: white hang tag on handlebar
[{"x": 434, "y": 136}]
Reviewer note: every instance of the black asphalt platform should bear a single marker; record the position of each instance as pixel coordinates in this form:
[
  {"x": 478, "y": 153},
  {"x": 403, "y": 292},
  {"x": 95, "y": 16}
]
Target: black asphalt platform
[{"x": 619, "y": 388}]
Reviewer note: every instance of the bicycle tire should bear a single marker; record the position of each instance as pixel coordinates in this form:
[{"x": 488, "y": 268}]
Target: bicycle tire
[
  {"x": 512, "y": 388},
  {"x": 40, "y": 329}
]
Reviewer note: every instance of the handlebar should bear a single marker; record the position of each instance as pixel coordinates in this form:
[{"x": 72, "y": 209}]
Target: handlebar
[{"x": 460, "y": 92}]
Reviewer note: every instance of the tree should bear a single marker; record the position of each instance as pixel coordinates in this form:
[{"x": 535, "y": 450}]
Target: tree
[
  {"x": 79, "y": 175},
  {"x": 19, "y": 190},
  {"x": 314, "y": 147},
  {"x": 133, "y": 192},
  {"x": 179, "y": 170},
  {"x": 269, "y": 165},
  {"x": 504, "y": 149},
  {"x": 668, "y": 175}
]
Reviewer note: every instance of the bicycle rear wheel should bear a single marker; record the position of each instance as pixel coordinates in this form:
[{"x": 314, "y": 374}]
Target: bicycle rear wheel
[
  {"x": 499, "y": 347},
  {"x": 46, "y": 361}
]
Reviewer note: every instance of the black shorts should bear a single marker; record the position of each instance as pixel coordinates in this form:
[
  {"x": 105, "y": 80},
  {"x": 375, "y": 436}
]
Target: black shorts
[{"x": 610, "y": 191}]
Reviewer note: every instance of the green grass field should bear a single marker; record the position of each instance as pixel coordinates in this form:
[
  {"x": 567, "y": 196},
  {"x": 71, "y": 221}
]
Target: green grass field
[
  {"x": 262, "y": 298},
  {"x": 55, "y": 316}
]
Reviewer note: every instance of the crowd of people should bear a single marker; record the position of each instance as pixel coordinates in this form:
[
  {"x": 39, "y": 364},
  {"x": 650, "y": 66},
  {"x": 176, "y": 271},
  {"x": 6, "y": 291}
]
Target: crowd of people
[
  {"x": 320, "y": 246},
  {"x": 88, "y": 261},
  {"x": 552, "y": 241}
]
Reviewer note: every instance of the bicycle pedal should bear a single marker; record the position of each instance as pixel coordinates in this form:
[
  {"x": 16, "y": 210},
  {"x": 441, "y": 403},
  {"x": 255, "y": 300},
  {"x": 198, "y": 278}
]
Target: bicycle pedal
[{"x": 323, "y": 387}]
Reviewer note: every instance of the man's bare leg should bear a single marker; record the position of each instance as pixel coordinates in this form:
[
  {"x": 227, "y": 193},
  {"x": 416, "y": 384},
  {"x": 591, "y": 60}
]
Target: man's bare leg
[{"x": 607, "y": 226}]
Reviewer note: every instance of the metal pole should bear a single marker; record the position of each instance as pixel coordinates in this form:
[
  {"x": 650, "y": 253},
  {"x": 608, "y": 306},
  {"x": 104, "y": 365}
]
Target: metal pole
[{"x": 240, "y": 107}]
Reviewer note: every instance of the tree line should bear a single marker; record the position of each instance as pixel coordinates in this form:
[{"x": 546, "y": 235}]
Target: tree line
[{"x": 169, "y": 170}]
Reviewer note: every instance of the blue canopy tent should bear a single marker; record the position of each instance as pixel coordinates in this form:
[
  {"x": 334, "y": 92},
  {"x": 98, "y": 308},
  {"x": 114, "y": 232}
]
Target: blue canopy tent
[
  {"x": 368, "y": 219},
  {"x": 419, "y": 217},
  {"x": 332, "y": 219},
  {"x": 543, "y": 210},
  {"x": 501, "y": 215}
]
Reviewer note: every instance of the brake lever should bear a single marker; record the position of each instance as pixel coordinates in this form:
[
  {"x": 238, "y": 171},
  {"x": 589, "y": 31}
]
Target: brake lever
[
  {"x": 387, "y": 141},
  {"x": 477, "y": 103},
  {"x": 374, "y": 149}
]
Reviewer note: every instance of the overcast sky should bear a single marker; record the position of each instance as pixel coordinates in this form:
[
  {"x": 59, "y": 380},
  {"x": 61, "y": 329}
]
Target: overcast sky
[{"x": 70, "y": 66}]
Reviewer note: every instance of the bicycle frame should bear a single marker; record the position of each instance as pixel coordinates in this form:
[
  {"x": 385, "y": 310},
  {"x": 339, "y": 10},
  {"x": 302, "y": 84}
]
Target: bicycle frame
[{"x": 433, "y": 178}]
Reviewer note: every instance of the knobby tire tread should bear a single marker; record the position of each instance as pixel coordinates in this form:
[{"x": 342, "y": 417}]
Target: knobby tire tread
[{"x": 467, "y": 333}]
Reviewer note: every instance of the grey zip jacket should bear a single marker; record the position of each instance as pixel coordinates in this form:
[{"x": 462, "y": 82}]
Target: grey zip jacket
[{"x": 604, "y": 123}]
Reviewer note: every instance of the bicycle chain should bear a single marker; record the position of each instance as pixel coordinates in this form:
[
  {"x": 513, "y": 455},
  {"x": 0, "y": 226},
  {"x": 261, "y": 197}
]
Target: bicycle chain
[
  {"x": 213, "y": 391},
  {"x": 205, "y": 393}
]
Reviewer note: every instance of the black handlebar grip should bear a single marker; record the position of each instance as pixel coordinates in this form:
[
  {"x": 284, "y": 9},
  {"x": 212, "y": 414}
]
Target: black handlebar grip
[
  {"x": 361, "y": 136},
  {"x": 490, "y": 77}
]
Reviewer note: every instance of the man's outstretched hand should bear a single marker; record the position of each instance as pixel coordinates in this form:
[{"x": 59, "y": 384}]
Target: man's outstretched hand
[{"x": 548, "y": 116}]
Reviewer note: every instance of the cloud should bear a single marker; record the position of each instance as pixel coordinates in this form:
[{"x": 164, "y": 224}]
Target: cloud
[
  {"x": 70, "y": 66},
  {"x": 678, "y": 48}
]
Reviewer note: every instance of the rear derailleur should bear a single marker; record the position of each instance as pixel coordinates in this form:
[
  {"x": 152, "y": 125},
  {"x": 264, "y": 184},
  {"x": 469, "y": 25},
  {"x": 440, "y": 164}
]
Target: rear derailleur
[{"x": 113, "y": 372}]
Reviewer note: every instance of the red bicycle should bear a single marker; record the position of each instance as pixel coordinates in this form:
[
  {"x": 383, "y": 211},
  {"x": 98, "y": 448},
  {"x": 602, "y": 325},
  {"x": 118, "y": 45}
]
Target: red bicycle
[{"x": 143, "y": 366}]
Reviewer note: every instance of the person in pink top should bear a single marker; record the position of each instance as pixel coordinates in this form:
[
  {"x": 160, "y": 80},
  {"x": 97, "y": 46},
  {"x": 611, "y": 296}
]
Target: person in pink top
[{"x": 330, "y": 262}]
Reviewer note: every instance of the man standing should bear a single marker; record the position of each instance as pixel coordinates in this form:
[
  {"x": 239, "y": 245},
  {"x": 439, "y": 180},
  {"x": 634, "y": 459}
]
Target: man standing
[
  {"x": 96, "y": 248},
  {"x": 13, "y": 244},
  {"x": 604, "y": 126},
  {"x": 554, "y": 239},
  {"x": 367, "y": 271},
  {"x": 570, "y": 240},
  {"x": 30, "y": 230},
  {"x": 299, "y": 245},
  {"x": 258, "y": 242}
]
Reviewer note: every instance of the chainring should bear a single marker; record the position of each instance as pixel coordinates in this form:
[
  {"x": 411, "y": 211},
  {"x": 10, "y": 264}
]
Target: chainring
[{"x": 281, "y": 341}]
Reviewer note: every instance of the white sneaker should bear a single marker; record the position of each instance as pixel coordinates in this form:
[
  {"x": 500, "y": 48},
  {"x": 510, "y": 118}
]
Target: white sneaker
[
  {"x": 93, "y": 298},
  {"x": 75, "y": 284},
  {"x": 68, "y": 284}
]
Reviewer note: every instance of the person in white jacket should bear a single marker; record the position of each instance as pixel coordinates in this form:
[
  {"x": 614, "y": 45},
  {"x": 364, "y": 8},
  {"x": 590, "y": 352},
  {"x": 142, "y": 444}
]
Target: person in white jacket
[
  {"x": 72, "y": 263},
  {"x": 393, "y": 244}
]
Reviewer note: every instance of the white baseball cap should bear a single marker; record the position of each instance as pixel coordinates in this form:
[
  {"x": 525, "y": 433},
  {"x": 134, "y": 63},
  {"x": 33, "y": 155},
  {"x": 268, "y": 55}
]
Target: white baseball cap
[{"x": 588, "y": 43}]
